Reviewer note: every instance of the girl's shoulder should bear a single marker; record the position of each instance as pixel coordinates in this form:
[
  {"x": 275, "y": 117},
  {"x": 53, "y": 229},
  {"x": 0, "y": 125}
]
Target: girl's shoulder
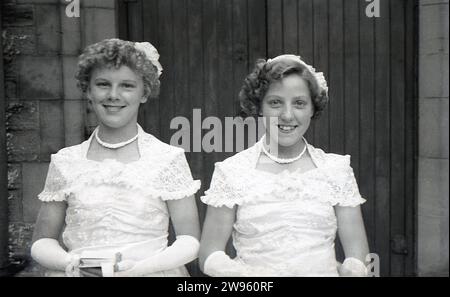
[
  {"x": 245, "y": 159},
  {"x": 324, "y": 159},
  {"x": 74, "y": 152},
  {"x": 150, "y": 144}
]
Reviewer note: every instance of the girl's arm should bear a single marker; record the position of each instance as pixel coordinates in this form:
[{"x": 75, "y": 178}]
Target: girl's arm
[
  {"x": 216, "y": 231},
  {"x": 184, "y": 249},
  {"x": 353, "y": 237},
  {"x": 45, "y": 248}
]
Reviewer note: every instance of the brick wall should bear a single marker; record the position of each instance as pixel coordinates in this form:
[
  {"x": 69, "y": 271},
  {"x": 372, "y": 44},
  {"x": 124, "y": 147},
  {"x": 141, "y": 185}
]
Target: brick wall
[
  {"x": 45, "y": 110},
  {"x": 433, "y": 191}
]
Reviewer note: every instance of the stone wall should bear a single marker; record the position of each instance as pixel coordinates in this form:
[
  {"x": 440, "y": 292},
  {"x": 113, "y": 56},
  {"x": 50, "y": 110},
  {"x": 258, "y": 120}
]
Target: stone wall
[
  {"x": 45, "y": 110},
  {"x": 433, "y": 191}
]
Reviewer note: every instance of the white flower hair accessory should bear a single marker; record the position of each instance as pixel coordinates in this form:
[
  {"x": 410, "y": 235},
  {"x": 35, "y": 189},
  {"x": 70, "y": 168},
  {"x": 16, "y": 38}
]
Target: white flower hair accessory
[
  {"x": 151, "y": 53},
  {"x": 319, "y": 76}
]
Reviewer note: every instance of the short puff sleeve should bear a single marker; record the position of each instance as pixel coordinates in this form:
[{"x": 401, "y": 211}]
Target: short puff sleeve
[
  {"x": 346, "y": 192},
  {"x": 222, "y": 191},
  {"x": 55, "y": 184},
  {"x": 175, "y": 179}
]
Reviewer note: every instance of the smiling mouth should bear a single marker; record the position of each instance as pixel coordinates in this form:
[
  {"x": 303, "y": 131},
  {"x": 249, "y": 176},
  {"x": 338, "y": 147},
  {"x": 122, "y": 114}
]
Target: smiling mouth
[
  {"x": 113, "y": 108},
  {"x": 287, "y": 128}
]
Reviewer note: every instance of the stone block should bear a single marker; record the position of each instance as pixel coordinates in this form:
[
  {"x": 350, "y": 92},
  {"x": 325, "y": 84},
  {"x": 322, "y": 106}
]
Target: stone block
[
  {"x": 20, "y": 235},
  {"x": 34, "y": 175},
  {"x": 23, "y": 38},
  {"x": 433, "y": 28},
  {"x": 23, "y": 145},
  {"x": 14, "y": 176},
  {"x": 39, "y": 77},
  {"x": 52, "y": 127},
  {"x": 71, "y": 33},
  {"x": 433, "y": 128},
  {"x": 15, "y": 209},
  {"x": 24, "y": 118},
  {"x": 104, "y": 22},
  {"x": 17, "y": 15},
  {"x": 74, "y": 113},
  {"x": 71, "y": 90},
  {"x": 433, "y": 216},
  {"x": 47, "y": 28},
  {"x": 433, "y": 76}
]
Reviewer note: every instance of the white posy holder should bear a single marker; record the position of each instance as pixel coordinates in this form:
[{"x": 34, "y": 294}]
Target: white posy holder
[{"x": 106, "y": 261}]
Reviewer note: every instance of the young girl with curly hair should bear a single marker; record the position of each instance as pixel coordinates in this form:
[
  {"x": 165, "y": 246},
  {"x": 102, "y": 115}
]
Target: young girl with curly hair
[
  {"x": 116, "y": 191},
  {"x": 283, "y": 199}
]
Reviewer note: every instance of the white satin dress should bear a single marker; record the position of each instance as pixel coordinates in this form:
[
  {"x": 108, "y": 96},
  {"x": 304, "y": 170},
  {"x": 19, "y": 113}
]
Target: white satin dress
[
  {"x": 112, "y": 206},
  {"x": 285, "y": 223}
]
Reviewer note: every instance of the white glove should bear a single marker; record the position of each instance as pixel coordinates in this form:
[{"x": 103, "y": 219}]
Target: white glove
[
  {"x": 220, "y": 264},
  {"x": 49, "y": 253},
  {"x": 183, "y": 250},
  {"x": 353, "y": 267}
]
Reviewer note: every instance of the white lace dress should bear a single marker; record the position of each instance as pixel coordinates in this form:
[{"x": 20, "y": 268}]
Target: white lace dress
[
  {"x": 285, "y": 223},
  {"x": 114, "y": 206}
]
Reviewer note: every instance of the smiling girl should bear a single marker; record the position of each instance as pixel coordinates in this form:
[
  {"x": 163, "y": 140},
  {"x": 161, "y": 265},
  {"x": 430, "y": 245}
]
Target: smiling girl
[
  {"x": 116, "y": 191},
  {"x": 282, "y": 199}
]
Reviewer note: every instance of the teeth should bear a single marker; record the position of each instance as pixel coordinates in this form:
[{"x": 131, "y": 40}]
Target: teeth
[
  {"x": 113, "y": 108},
  {"x": 286, "y": 128}
]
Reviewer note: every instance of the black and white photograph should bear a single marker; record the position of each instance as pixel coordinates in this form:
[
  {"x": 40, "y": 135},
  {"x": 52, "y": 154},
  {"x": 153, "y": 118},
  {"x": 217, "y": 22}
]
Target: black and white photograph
[{"x": 210, "y": 140}]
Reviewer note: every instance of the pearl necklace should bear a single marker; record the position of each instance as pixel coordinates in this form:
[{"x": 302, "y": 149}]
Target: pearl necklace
[
  {"x": 280, "y": 160},
  {"x": 114, "y": 145}
]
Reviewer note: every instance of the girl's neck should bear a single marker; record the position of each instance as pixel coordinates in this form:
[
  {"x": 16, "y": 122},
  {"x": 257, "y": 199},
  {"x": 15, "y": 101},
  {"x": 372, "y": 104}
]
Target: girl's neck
[
  {"x": 286, "y": 152},
  {"x": 116, "y": 135}
]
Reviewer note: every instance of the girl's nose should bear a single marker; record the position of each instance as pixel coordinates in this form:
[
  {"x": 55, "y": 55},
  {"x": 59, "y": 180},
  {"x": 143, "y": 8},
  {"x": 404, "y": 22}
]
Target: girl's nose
[
  {"x": 113, "y": 93},
  {"x": 287, "y": 114}
]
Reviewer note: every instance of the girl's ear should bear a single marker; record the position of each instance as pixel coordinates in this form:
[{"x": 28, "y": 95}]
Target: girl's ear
[{"x": 144, "y": 99}]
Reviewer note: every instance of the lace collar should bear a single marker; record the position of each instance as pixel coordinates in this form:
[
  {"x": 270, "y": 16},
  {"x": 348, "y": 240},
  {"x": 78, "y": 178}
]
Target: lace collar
[
  {"x": 313, "y": 152},
  {"x": 140, "y": 140}
]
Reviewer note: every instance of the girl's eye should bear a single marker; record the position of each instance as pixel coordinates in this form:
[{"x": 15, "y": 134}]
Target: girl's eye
[
  {"x": 128, "y": 86},
  {"x": 300, "y": 103},
  {"x": 275, "y": 103},
  {"x": 102, "y": 84}
]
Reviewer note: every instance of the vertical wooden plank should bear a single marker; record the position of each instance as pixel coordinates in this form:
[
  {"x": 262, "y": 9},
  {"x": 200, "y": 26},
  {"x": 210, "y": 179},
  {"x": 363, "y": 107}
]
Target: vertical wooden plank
[
  {"x": 397, "y": 131},
  {"x": 227, "y": 95},
  {"x": 351, "y": 66},
  {"x": 290, "y": 25},
  {"x": 305, "y": 30},
  {"x": 135, "y": 23},
  {"x": 195, "y": 86},
  {"x": 211, "y": 98},
  {"x": 241, "y": 62},
  {"x": 410, "y": 132},
  {"x": 275, "y": 28},
  {"x": 306, "y": 43},
  {"x": 321, "y": 127},
  {"x": 382, "y": 136},
  {"x": 150, "y": 117},
  {"x": 257, "y": 34},
  {"x": 336, "y": 76},
  {"x": 166, "y": 40},
  {"x": 122, "y": 19},
  {"x": 367, "y": 123},
  {"x": 181, "y": 66}
]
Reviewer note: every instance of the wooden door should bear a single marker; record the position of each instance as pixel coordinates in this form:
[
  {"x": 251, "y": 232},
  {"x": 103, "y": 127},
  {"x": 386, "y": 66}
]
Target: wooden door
[{"x": 207, "y": 47}]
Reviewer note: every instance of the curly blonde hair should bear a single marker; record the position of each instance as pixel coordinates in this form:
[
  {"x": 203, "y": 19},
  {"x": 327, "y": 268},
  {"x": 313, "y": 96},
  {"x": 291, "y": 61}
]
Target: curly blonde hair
[
  {"x": 265, "y": 72},
  {"x": 115, "y": 53}
]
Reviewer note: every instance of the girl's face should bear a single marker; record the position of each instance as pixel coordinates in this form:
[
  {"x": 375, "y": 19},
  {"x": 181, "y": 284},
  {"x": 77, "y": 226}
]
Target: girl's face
[
  {"x": 288, "y": 103},
  {"x": 115, "y": 95}
]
